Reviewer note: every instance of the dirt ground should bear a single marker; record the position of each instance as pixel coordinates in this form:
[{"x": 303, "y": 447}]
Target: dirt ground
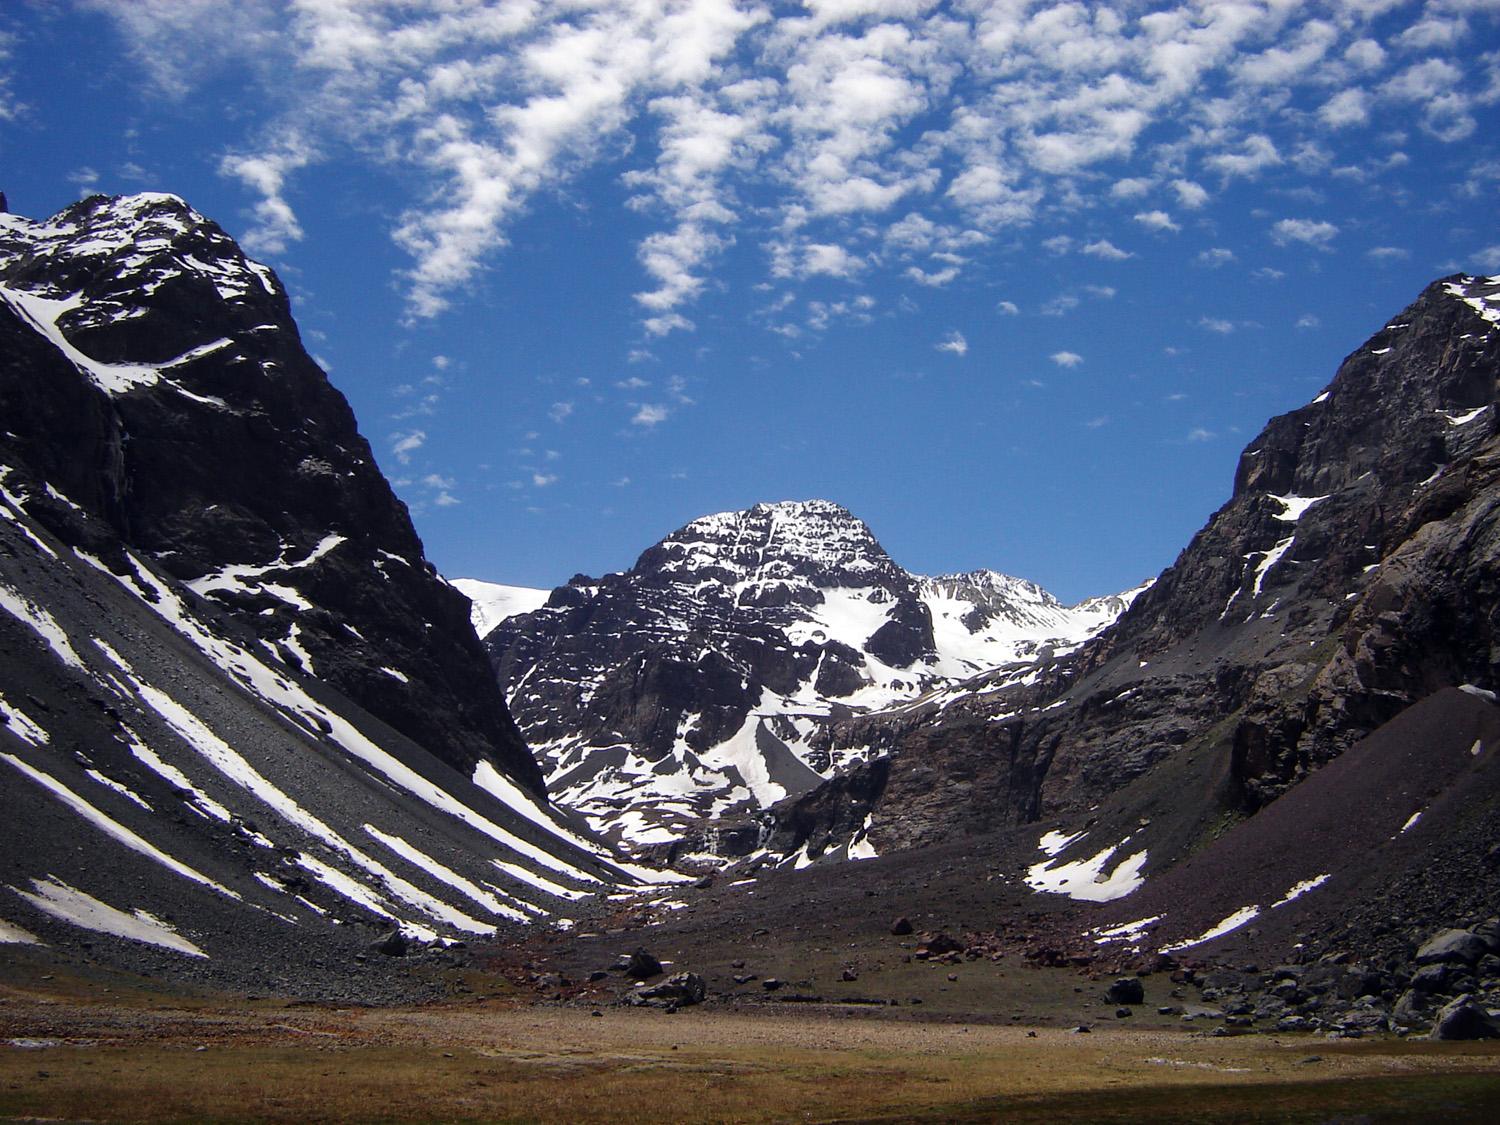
[{"x": 71, "y": 1054}]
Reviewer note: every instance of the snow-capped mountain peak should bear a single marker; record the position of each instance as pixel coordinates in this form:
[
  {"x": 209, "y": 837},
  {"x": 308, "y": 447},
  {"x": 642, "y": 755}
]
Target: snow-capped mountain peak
[{"x": 701, "y": 685}]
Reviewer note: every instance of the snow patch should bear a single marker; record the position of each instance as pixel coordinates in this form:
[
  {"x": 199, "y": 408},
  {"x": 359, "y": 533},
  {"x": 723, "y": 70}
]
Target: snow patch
[
  {"x": 1090, "y": 880},
  {"x": 1219, "y": 929},
  {"x": 54, "y": 897}
]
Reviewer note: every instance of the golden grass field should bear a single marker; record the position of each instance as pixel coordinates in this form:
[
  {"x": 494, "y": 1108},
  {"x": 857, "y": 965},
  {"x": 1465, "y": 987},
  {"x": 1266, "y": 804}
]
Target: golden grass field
[{"x": 139, "y": 1058}]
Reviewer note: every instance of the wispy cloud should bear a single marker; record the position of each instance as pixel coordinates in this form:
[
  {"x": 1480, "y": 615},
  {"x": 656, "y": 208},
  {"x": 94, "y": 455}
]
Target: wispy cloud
[{"x": 954, "y": 343}]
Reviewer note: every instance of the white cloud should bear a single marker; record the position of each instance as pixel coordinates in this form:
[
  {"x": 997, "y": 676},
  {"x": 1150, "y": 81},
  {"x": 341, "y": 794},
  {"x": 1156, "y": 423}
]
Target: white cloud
[
  {"x": 542, "y": 480},
  {"x": 1131, "y": 188},
  {"x": 446, "y": 500},
  {"x": 1008, "y": 308},
  {"x": 1104, "y": 248},
  {"x": 1308, "y": 320},
  {"x": 936, "y": 279},
  {"x": 666, "y": 324},
  {"x": 1312, "y": 232},
  {"x": 1488, "y": 259},
  {"x": 1216, "y": 324},
  {"x": 1060, "y": 305},
  {"x": 649, "y": 414},
  {"x": 954, "y": 342},
  {"x": 403, "y": 445},
  {"x": 434, "y": 480},
  {"x": 1387, "y": 254},
  {"x": 560, "y": 410},
  {"x": 1156, "y": 220},
  {"x": 1198, "y": 433},
  {"x": 276, "y": 226},
  {"x": 1347, "y": 107},
  {"x": 1189, "y": 194},
  {"x": 1066, "y": 359},
  {"x": 1255, "y": 153},
  {"x": 1215, "y": 256},
  {"x": 840, "y": 138}
]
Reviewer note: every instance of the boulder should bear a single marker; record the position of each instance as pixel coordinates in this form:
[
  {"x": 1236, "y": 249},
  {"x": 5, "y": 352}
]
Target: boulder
[
  {"x": 1126, "y": 990},
  {"x": 680, "y": 989},
  {"x": 639, "y": 965},
  {"x": 1465, "y": 1019},
  {"x": 901, "y": 926},
  {"x": 1452, "y": 946},
  {"x": 1433, "y": 978}
]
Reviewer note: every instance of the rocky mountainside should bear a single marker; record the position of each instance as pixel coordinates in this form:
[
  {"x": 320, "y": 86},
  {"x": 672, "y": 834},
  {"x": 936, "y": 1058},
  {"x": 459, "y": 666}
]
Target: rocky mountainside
[
  {"x": 243, "y": 718},
  {"x": 1352, "y": 574},
  {"x": 697, "y": 687}
]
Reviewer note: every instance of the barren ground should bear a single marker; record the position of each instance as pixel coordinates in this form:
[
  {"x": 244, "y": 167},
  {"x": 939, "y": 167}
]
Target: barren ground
[{"x": 70, "y": 1050}]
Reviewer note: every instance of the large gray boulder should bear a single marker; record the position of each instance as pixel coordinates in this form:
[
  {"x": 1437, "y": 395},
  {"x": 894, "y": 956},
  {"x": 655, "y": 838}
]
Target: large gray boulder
[
  {"x": 1464, "y": 1018},
  {"x": 1452, "y": 945}
]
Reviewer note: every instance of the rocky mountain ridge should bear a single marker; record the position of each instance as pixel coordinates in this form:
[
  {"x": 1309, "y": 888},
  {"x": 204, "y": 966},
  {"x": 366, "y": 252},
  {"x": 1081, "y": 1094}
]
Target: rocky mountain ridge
[
  {"x": 672, "y": 701},
  {"x": 247, "y": 734},
  {"x": 1351, "y": 574}
]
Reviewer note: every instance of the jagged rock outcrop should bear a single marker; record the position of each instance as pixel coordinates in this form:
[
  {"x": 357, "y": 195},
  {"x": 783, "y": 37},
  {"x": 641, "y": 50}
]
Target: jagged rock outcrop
[
  {"x": 698, "y": 686},
  {"x": 1353, "y": 572}
]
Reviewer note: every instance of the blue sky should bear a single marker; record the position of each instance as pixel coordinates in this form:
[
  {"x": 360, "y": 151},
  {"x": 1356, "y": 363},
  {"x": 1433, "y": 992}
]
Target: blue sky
[{"x": 1015, "y": 282}]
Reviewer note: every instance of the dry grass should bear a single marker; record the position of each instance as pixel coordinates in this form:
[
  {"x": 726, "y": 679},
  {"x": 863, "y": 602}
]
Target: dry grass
[{"x": 132, "y": 1063}]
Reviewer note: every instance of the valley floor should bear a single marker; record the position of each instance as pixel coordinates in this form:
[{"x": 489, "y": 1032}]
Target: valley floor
[{"x": 70, "y": 1050}]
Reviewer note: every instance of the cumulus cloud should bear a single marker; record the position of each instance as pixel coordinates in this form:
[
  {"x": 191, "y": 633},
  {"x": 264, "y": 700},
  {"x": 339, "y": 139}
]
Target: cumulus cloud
[
  {"x": 649, "y": 414},
  {"x": 1008, "y": 308},
  {"x": 1156, "y": 220},
  {"x": 1216, "y": 324},
  {"x": 559, "y": 411},
  {"x": 1189, "y": 194},
  {"x": 1308, "y": 320},
  {"x": 1311, "y": 232},
  {"x": 1215, "y": 256},
  {"x": 1104, "y": 248},
  {"x": 1066, "y": 359}
]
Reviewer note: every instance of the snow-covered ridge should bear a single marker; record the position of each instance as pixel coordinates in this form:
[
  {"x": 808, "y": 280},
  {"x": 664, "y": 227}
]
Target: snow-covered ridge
[
  {"x": 1482, "y": 294},
  {"x": 493, "y": 602},
  {"x": 144, "y": 237}
]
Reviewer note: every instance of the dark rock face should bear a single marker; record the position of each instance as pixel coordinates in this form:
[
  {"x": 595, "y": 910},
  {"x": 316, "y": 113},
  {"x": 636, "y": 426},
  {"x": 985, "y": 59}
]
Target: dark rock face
[
  {"x": 202, "y": 434},
  {"x": 1354, "y": 571}
]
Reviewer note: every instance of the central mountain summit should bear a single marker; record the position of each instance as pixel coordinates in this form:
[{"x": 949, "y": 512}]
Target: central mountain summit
[{"x": 697, "y": 687}]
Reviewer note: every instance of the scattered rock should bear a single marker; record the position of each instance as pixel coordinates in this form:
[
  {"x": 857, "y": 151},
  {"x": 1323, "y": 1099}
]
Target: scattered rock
[
  {"x": 848, "y": 975},
  {"x": 901, "y": 926}
]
